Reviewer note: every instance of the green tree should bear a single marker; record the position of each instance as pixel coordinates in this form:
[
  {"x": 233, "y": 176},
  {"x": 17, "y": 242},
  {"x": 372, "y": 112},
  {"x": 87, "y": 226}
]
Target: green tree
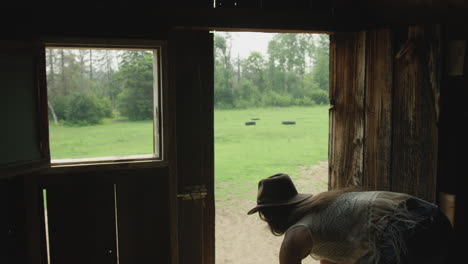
[
  {"x": 224, "y": 72},
  {"x": 254, "y": 69},
  {"x": 296, "y": 66},
  {"x": 288, "y": 59},
  {"x": 136, "y": 73},
  {"x": 320, "y": 71}
]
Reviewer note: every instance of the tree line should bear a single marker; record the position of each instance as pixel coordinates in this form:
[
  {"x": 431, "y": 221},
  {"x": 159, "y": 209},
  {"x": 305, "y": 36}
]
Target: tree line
[
  {"x": 86, "y": 85},
  {"x": 295, "y": 71}
]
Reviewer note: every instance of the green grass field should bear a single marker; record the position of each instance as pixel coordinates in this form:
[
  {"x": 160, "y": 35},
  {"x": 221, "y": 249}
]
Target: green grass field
[
  {"x": 243, "y": 154},
  {"x": 112, "y": 138}
]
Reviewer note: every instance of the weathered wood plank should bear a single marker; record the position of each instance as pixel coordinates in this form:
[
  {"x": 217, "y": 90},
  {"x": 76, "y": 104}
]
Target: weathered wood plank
[
  {"x": 193, "y": 80},
  {"x": 81, "y": 223},
  {"x": 142, "y": 218},
  {"x": 347, "y": 73},
  {"x": 415, "y": 132},
  {"x": 378, "y": 110}
]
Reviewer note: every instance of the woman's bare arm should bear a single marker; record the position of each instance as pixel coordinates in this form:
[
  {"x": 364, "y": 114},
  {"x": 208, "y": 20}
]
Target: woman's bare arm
[{"x": 297, "y": 244}]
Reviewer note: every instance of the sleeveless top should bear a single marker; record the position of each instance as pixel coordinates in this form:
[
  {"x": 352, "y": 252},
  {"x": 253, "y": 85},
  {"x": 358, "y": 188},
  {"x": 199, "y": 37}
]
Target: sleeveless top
[{"x": 357, "y": 223}]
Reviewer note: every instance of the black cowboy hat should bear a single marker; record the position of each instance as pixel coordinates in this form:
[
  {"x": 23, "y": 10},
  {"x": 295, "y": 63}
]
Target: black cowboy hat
[{"x": 277, "y": 190}]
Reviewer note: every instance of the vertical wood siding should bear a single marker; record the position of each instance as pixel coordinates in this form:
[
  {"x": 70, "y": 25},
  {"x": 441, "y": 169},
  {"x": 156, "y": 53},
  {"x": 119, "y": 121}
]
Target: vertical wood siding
[
  {"x": 415, "y": 132},
  {"x": 347, "y": 74},
  {"x": 378, "y": 110},
  {"x": 384, "y": 111}
]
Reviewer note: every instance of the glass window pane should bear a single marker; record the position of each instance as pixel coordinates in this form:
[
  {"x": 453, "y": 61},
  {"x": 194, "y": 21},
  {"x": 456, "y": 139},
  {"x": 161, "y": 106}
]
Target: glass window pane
[{"x": 102, "y": 102}]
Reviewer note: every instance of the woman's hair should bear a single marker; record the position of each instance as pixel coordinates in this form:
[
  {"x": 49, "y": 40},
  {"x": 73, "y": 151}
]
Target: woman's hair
[{"x": 280, "y": 218}]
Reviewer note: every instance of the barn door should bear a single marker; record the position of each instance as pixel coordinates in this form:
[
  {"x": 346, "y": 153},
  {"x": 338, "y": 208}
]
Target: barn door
[
  {"x": 22, "y": 99},
  {"x": 191, "y": 64}
]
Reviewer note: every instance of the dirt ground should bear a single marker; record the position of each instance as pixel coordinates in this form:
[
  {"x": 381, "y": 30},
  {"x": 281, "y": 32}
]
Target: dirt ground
[{"x": 244, "y": 239}]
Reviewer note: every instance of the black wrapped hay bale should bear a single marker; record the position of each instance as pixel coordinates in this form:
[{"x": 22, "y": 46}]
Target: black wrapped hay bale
[
  {"x": 250, "y": 123},
  {"x": 288, "y": 122}
]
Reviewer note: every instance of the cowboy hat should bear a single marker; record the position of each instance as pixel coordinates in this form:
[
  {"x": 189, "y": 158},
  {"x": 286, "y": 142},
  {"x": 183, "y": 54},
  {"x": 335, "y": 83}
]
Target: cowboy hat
[{"x": 277, "y": 190}]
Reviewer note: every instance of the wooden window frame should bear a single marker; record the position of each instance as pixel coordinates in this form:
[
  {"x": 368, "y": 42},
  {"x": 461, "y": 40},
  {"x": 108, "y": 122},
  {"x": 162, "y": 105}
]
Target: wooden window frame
[{"x": 159, "y": 158}]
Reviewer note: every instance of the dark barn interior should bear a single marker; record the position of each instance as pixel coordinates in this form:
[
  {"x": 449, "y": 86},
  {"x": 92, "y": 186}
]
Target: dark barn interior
[{"x": 398, "y": 76}]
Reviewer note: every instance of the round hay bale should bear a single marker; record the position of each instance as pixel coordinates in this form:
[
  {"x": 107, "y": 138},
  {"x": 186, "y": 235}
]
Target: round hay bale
[
  {"x": 255, "y": 118},
  {"x": 288, "y": 122},
  {"x": 250, "y": 123}
]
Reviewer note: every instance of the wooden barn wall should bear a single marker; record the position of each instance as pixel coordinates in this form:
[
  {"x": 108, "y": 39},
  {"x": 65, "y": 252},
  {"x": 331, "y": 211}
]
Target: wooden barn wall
[
  {"x": 86, "y": 211},
  {"x": 384, "y": 110},
  {"x": 378, "y": 110},
  {"x": 415, "y": 113}
]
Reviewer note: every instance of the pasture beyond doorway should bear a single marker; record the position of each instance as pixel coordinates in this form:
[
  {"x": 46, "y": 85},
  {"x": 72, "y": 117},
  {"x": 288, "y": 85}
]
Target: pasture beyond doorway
[{"x": 246, "y": 153}]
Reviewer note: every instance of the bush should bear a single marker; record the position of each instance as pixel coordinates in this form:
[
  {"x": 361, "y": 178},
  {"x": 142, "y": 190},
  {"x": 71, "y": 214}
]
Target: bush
[
  {"x": 304, "y": 101},
  {"x": 82, "y": 109},
  {"x": 308, "y": 102},
  {"x": 319, "y": 96},
  {"x": 272, "y": 98},
  {"x": 60, "y": 107},
  {"x": 246, "y": 94},
  {"x": 106, "y": 107}
]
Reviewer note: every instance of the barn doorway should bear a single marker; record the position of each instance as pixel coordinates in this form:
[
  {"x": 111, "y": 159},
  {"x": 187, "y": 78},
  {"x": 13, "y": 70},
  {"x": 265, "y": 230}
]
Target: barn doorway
[{"x": 271, "y": 115}]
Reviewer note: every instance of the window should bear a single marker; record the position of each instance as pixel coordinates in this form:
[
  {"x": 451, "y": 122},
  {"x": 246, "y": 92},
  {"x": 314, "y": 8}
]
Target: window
[{"x": 104, "y": 102}]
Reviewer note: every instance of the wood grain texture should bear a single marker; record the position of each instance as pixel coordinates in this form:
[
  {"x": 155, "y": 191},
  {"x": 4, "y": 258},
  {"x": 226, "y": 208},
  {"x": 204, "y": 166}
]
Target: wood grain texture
[
  {"x": 347, "y": 84},
  {"x": 192, "y": 74},
  {"x": 378, "y": 110},
  {"x": 415, "y": 132}
]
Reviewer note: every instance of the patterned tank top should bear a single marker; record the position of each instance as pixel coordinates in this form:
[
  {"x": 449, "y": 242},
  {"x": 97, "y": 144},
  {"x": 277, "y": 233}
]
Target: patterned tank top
[{"x": 349, "y": 229}]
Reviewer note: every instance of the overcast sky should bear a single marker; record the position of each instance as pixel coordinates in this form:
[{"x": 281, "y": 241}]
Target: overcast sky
[{"x": 245, "y": 42}]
